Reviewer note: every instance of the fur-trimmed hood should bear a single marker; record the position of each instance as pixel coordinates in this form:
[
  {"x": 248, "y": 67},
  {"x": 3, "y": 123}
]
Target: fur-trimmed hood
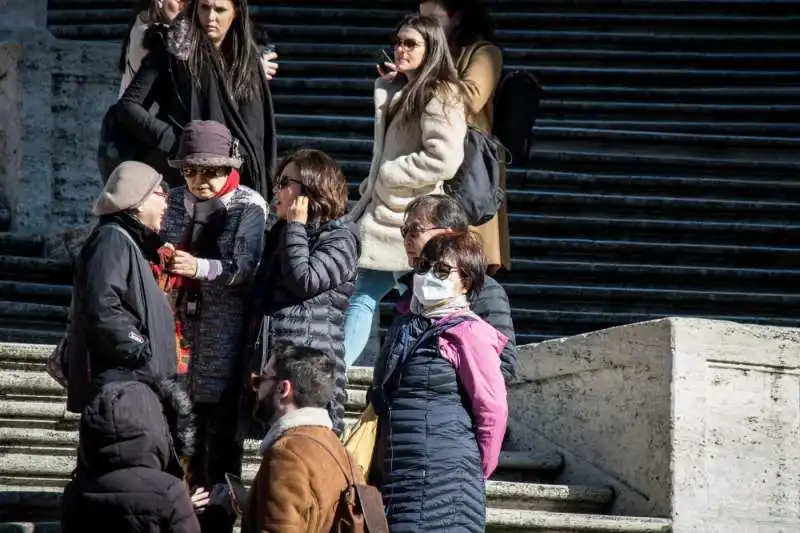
[
  {"x": 143, "y": 423},
  {"x": 173, "y": 37}
]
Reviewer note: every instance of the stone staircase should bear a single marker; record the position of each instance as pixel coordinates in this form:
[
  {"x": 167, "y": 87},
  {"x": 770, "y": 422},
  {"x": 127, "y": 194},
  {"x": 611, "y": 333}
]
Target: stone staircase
[
  {"x": 664, "y": 175},
  {"x": 38, "y": 441}
]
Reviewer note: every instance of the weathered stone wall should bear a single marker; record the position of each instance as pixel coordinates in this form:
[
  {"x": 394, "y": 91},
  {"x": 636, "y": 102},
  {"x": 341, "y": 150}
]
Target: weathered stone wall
[
  {"x": 694, "y": 420},
  {"x": 66, "y": 87},
  {"x": 10, "y": 135}
]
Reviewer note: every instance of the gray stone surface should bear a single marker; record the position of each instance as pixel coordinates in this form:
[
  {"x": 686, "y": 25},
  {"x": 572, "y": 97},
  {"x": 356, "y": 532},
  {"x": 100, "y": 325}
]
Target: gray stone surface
[
  {"x": 693, "y": 420},
  {"x": 66, "y": 87},
  {"x": 24, "y": 13},
  {"x": 10, "y": 124}
]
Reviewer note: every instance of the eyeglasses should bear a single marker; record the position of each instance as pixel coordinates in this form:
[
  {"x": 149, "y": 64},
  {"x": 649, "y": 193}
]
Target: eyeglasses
[
  {"x": 256, "y": 380},
  {"x": 415, "y": 230},
  {"x": 408, "y": 44},
  {"x": 440, "y": 269},
  {"x": 205, "y": 173},
  {"x": 284, "y": 181}
]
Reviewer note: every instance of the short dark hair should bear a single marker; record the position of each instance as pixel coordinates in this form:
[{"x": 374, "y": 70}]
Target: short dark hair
[
  {"x": 464, "y": 251},
  {"x": 323, "y": 181},
  {"x": 309, "y": 370},
  {"x": 439, "y": 210}
]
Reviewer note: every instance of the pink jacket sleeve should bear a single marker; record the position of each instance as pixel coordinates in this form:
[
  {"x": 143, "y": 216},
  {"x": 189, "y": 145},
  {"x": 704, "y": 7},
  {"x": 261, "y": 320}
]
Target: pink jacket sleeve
[{"x": 473, "y": 347}]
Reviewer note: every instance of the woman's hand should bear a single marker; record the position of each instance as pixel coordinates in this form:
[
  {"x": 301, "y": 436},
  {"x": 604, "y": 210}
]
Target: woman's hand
[
  {"x": 298, "y": 211},
  {"x": 184, "y": 264},
  {"x": 200, "y": 499},
  {"x": 269, "y": 64},
  {"x": 387, "y": 71}
]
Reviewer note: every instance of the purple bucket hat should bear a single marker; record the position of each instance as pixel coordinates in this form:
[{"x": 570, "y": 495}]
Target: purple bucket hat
[{"x": 206, "y": 143}]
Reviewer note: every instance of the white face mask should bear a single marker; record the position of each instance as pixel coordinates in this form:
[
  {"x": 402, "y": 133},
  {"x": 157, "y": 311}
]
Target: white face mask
[{"x": 432, "y": 291}]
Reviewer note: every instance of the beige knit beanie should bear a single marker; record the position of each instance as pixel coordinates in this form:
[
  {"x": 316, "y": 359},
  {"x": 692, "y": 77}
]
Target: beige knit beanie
[{"x": 129, "y": 185}]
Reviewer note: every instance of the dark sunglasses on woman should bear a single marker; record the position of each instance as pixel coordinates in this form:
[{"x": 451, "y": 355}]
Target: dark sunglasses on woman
[{"x": 423, "y": 265}]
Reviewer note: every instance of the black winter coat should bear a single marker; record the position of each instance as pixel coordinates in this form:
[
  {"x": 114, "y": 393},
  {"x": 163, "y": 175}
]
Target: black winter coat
[
  {"x": 122, "y": 321},
  {"x": 303, "y": 286},
  {"x": 164, "y": 78},
  {"x": 121, "y": 484}
]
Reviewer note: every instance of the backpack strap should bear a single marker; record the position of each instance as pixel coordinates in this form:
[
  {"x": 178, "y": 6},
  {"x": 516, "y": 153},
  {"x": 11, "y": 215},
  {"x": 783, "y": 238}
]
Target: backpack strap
[
  {"x": 471, "y": 50},
  {"x": 351, "y": 479}
]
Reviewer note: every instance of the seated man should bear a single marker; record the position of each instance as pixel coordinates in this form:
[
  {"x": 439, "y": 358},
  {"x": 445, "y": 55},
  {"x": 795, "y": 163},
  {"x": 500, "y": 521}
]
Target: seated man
[
  {"x": 301, "y": 478},
  {"x": 431, "y": 215}
]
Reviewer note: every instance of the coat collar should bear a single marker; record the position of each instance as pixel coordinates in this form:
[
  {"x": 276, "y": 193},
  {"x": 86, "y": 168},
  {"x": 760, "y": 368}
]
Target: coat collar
[{"x": 305, "y": 416}]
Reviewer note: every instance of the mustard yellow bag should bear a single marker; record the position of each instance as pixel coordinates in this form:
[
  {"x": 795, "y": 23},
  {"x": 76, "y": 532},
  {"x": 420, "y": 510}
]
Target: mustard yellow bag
[{"x": 360, "y": 439}]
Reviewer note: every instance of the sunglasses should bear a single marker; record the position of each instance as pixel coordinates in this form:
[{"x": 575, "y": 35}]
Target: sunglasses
[
  {"x": 205, "y": 173},
  {"x": 161, "y": 194},
  {"x": 284, "y": 181},
  {"x": 415, "y": 230},
  {"x": 256, "y": 380},
  {"x": 423, "y": 265},
  {"x": 408, "y": 44}
]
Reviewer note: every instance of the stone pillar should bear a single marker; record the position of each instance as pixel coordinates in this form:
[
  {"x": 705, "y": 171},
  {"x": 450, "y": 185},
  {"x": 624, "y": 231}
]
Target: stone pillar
[
  {"x": 10, "y": 126},
  {"x": 23, "y": 25},
  {"x": 693, "y": 420}
]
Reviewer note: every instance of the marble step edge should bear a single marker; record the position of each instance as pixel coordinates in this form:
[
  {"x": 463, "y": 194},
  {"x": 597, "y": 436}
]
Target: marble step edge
[
  {"x": 54, "y": 471},
  {"x": 38, "y": 353},
  {"x": 497, "y": 520},
  {"x": 36, "y": 383},
  {"x": 40, "y": 441}
]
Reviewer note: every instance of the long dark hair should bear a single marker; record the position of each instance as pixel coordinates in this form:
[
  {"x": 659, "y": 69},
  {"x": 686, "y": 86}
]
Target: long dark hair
[
  {"x": 475, "y": 25},
  {"x": 238, "y": 53},
  {"x": 149, "y": 8},
  {"x": 437, "y": 74}
]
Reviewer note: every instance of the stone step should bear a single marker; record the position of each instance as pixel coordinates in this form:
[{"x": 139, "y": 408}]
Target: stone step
[
  {"x": 497, "y": 521},
  {"x": 510, "y": 17},
  {"x": 54, "y": 472}
]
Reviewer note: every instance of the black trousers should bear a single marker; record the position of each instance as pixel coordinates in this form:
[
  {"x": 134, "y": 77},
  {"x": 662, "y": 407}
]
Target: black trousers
[{"x": 217, "y": 452}]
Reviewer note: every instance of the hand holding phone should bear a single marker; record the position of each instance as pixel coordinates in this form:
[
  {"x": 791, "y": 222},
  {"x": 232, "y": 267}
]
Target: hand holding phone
[{"x": 385, "y": 65}]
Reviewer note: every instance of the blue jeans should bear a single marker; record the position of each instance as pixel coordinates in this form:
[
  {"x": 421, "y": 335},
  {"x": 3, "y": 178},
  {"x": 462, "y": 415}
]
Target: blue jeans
[{"x": 371, "y": 287}]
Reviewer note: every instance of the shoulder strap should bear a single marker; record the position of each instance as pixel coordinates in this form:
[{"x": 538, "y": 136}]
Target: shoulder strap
[
  {"x": 139, "y": 255},
  {"x": 351, "y": 479}
]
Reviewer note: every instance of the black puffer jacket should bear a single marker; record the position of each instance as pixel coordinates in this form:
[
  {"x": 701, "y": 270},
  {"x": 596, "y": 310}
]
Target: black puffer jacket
[
  {"x": 122, "y": 321},
  {"x": 303, "y": 287},
  {"x": 122, "y": 483}
]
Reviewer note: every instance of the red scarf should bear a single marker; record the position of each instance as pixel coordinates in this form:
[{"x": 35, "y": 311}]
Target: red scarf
[{"x": 171, "y": 284}]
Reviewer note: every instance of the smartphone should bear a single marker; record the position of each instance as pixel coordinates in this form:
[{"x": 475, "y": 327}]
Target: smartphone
[
  {"x": 268, "y": 49},
  {"x": 237, "y": 491},
  {"x": 383, "y": 57}
]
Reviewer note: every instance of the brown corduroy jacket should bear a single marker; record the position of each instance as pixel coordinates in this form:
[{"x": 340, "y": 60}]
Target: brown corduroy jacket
[{"x": 298, "y": 485}]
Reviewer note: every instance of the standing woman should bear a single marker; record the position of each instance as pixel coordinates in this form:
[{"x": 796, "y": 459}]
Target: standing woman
[
  {"x": 136, "y": 47},
  {"x": 210, "y": 69},
  {"x": 217, "y": 227},
  {"x": 420, "y": 126},
  {"x": 470, "y": 34}
]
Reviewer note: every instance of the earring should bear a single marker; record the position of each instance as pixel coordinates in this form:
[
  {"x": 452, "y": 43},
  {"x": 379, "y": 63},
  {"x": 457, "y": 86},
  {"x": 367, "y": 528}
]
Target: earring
[{"x": 160, "y": 4}]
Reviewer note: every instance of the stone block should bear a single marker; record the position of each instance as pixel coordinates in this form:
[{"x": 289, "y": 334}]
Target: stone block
[
  {"x": 24, "y": 13},
  {"x": 693, "y": 420}
]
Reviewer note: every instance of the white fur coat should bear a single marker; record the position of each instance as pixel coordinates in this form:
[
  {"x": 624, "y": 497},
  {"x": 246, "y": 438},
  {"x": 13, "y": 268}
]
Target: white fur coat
[{"x": 407, "y": 162}]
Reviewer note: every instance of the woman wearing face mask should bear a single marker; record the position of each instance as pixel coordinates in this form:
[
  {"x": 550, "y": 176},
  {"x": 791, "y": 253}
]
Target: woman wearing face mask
[
  {"x": 217, "y": 227},
  {"x": 308, "y": 269},
  {"x": 210, "y": 69},
  {"x": 440, "y": 364},
  {"x": 139, "y": 40},
  {"x": 420, "y": 126}
]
